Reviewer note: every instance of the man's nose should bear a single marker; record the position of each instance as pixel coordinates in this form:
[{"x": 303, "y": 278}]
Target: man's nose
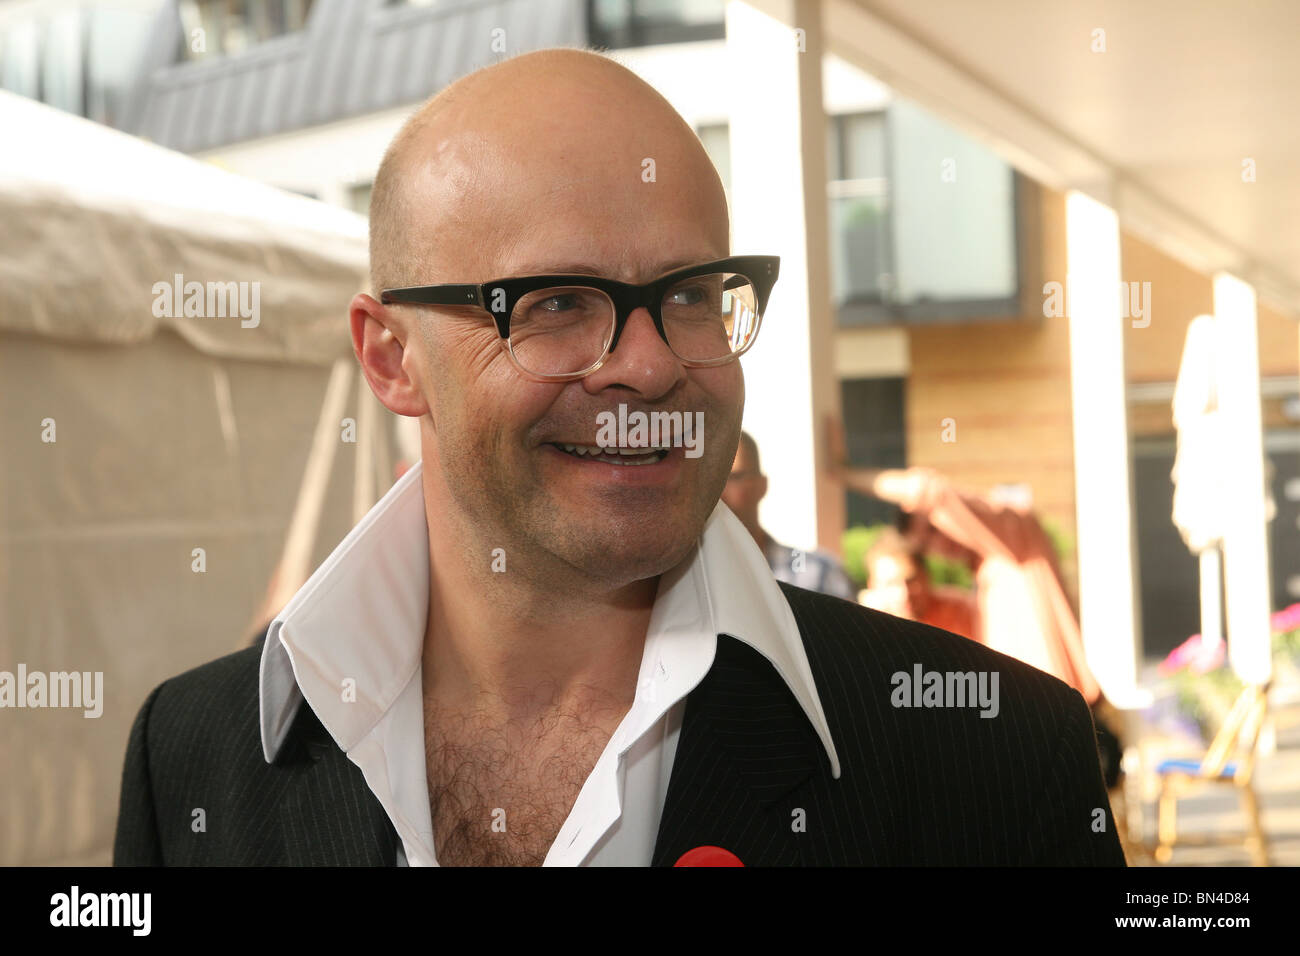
[{"x": 642, "y": 361}]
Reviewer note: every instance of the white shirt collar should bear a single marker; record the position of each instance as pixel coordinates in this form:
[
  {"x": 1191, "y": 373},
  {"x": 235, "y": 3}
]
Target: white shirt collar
[{"x": 358, "y": 623}]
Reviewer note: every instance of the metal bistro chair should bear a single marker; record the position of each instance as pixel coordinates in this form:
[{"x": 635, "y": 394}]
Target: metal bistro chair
[{"x": 1237, "y": 738}]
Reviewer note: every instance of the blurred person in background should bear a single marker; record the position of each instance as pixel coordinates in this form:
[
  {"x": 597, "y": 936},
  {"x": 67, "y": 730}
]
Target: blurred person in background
[
  {"x": 899, "y": 583},
  {"x": 814, "y": 570}
]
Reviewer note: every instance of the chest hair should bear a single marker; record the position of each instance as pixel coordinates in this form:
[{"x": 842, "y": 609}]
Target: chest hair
[{"x": 499, "y": 791}]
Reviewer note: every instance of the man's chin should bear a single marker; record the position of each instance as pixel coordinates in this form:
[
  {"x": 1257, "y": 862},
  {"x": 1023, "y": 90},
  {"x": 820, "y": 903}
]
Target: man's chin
[{"x": 623, "y": 560}]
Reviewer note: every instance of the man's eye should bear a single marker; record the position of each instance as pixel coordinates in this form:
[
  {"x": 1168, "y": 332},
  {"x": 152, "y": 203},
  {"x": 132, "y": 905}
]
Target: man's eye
[
  {"x": 691, "y": 295},
  {"x": 557, "y": 303}
]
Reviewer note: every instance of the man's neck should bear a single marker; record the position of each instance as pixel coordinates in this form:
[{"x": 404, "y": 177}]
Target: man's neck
[
  {"x": 557, "y": 655},
  {"x": 506, "y": 644}
]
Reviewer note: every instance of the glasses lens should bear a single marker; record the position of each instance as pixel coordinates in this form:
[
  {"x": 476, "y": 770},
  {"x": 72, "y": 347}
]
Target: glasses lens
[
  {"x": 562, "y": 330},
  {"x": 710, "y": 317}
]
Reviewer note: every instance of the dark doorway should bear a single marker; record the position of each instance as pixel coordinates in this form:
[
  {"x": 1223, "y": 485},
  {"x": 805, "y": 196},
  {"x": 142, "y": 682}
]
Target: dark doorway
[
  {"x": 875, "y": 434},
  {"x": 1170, "y": 585}
]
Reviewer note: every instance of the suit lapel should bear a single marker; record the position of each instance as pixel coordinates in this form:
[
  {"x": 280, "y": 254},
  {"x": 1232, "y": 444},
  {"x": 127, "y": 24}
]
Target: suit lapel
[
  {"x": 329, "y": 816},
  {"x": 745, "y": 749}
]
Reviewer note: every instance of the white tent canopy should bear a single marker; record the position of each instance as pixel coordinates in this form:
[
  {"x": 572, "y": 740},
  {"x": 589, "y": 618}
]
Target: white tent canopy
[
  {"x": 152, "y": 463},
  {"x": 94, "y": 218}
]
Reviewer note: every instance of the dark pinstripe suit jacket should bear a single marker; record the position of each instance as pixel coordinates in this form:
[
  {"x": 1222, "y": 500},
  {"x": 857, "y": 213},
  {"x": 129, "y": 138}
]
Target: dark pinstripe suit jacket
[{"x": 918, "y": 785}]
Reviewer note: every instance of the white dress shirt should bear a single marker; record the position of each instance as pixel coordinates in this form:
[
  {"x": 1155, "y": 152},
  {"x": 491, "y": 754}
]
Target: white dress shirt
[{"x": 350, "y": 643}]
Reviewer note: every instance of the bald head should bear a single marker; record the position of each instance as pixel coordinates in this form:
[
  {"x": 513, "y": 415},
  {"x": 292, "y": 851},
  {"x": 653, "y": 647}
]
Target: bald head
[{"x": 515, "y": 169}]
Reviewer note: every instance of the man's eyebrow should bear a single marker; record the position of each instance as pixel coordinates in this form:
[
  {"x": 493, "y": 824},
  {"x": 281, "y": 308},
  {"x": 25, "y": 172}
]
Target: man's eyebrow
[
  {"x": 586, "y": 269},
  {"x": 556, "y": 268}
]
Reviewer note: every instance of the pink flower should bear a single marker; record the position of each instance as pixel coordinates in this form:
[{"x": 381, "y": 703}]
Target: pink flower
[
  {"x": 1287, "y": 619},
  {"x": 1194, "y": 655}
]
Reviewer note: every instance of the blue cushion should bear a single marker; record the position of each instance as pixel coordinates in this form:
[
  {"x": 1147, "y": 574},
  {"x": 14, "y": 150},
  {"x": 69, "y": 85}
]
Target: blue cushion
[{"x": 1193, "y": 767}]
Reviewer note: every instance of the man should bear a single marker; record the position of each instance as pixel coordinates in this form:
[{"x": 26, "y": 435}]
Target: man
[
  {"x": 745, "y": 489},
  {"x": 542, "y": 647}
]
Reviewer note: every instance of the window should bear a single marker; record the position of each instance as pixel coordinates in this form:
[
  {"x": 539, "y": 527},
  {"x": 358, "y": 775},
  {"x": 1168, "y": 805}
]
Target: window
[
  {"x": 81, "y": 59},
  {"x": 20, "y": 48},
  {"x": 954, "y": 219},
  {"x": 632, "y": 23},
  {"x": 859, "y": 210},
  {"x": 114, "y": 46},
  {"x": 62, "y": 76},
  {"x": 215, "y": 27},
  {"x": 922, "y": 220}
]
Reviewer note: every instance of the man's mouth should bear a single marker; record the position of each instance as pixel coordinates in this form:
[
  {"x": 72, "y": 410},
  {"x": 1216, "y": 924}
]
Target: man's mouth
[{"x": 613, "y": 456}]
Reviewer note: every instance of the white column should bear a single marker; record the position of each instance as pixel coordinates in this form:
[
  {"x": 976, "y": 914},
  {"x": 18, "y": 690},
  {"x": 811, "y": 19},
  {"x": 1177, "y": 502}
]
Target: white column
[
  {"x": 1245, "y": 540},
  {"x": 1211, "y": 606},
  {"x": 1102, "y": 489},
  {"x": 779, "y": 207}
]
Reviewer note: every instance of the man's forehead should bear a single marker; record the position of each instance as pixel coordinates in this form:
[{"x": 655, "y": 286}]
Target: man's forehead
[
  {"x": 559, "y": 153},
  {"x": 635, "y": 245},
  {"x": 508, "y": 192}
]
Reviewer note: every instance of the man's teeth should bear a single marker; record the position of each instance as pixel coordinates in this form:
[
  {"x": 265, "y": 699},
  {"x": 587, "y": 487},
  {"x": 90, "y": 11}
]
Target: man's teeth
[{"x": 635, "y": 456}]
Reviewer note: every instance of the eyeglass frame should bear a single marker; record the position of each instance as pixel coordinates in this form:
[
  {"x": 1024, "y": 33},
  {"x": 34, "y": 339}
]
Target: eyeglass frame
[{"x": 760, "y": 271}]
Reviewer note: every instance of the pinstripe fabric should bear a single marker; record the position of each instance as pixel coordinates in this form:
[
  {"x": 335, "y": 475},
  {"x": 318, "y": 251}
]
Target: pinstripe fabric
[
  {"x": 196, "y": 746},
  {"x": 931, "y": 786},
  {"x": 918, "y": 786}
]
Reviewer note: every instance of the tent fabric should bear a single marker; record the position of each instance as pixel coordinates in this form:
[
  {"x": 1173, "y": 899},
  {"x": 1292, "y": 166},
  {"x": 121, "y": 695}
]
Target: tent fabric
[
  {"x": 96, "y": 222},
  {"x": 128, "y": 441},
  {"x": 98, "y": 531}
]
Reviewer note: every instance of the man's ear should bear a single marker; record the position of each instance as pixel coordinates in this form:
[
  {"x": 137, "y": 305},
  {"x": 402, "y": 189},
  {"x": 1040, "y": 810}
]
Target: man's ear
[{"x": 379, "y": 341}]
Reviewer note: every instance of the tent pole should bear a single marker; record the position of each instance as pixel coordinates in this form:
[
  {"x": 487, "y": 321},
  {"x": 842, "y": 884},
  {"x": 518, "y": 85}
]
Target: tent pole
[
  {"x": 300, "y": 540},
  {"x": 363, "y": 472}
]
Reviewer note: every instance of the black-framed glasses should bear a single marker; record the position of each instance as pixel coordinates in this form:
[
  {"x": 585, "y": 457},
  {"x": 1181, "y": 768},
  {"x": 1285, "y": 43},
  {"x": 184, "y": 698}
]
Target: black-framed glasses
[{"x": 558, "y": 328}]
